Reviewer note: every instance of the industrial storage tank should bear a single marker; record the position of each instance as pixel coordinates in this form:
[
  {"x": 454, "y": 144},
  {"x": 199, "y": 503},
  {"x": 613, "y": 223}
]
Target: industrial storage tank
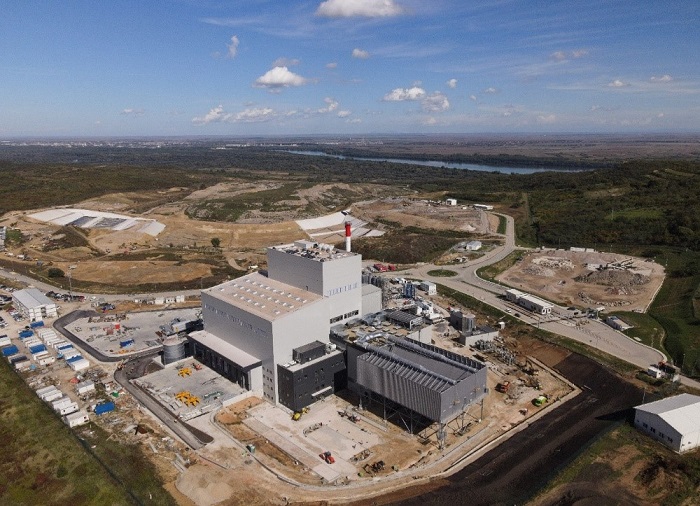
[{"x": 173, "y": 349}]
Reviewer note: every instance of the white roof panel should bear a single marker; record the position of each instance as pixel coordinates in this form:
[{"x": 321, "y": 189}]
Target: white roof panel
[{"x": 682, "y": 412}]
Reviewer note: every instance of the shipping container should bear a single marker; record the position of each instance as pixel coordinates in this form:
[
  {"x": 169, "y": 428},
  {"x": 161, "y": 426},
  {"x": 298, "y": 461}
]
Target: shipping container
[
  {"x": 79, "y": 365},
  {"x": 52, "y": 396},
  {"x": 70, "y": 408},
  {"x": 36, "y": 324},
  {"x": 60, "y": 403},
  {"x": 76, "y": 419},
  {"x": 74, "y": 358},
  {"x": 32, "y": 341},
  {"x": 104, "y": 407},
  {"x": 43, "y": 390},
  {"x": 23, "y": 334},
  {"x": 85, "y": 387},
  {"x": 38, "y": 356},
  {"x": 5, "y": 341},
  {"x": 128, "y": 342},
  {"x": 46, "y": 360},
  {"x": 21, "y": 365}
]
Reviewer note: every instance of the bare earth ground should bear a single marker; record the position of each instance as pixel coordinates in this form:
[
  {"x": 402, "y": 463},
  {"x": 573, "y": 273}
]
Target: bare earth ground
[
  {"x": 550, "y": 274},
  {"x": 422, "y": 214}
]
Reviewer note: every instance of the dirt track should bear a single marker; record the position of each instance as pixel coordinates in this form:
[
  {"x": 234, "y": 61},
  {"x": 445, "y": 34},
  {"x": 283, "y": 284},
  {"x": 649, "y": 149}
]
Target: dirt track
[{"x": 515, "y": 470}]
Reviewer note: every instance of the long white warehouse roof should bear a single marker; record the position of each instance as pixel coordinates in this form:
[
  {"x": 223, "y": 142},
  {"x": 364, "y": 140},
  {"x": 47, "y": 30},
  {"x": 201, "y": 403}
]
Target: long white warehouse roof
[
  {"x": 682, "y": 412},
  {"x": 32, "y": 297}
]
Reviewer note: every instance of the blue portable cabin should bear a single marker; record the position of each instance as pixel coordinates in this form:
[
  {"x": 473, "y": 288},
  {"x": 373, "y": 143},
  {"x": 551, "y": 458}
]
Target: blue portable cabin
[
  {"x": 74, "y": 358},
  {"x": 36, "y": 324},
  {"x": 104, "y": 407},
  {"x": 8, "y": 351},
  {"x": 23, "y": 334},
  {"x": 37, "y": 348}
]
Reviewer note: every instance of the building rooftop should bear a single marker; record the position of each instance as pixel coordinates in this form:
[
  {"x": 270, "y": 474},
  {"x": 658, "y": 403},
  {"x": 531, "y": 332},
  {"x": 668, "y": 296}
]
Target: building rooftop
[
  {"x": 32, "y": 297},
  {"x": 263, "y": 296},
  {"x": 314, "y": 251},
  {"x": 682, "y": 412}
]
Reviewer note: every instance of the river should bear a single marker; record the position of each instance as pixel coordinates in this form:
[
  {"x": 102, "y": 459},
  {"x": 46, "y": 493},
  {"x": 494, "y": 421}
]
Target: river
[{"x": 439, "y": 164}]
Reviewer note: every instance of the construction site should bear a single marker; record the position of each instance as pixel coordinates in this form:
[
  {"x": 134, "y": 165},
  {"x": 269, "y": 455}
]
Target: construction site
[{"x": 587, "y": 279}]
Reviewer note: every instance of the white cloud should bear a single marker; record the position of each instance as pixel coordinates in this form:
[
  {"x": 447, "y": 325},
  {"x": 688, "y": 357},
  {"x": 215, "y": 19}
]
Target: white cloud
[
  {"x": 401, "y": 94},
  {"x": 332, "y": 65},
  {"x": 579, "y": 53},
  {"x": 344, "y": 114},
  {"x": 359, "y": 8},
  {"x": 360, "y": 54},
  {"x": 472, "y": 98},
  {"x": 430, "y": 122},
  {"x": 132, "y": 112},
  {"x": 232, "y": 47},
  {"x": 253, "y": 115},
  {"x": 354, "y": 120},
  {"x": 547, "y": 118},
  {"x": 214, "y": 115},
  {"x": 331, "y": 106},
  {"x": 558, "y": 56},
  {"x": 661, "y": 79},
  {"x": 452, "y": 83},
  {"x": 286, "y": 62},
  {"x": 491, "y": 91},
  {"x": 249, "y": 115},
  {"x": 278, "y": 78},
  {"x": 617, "y": 84},
  {"x": 436, "y": 102}
]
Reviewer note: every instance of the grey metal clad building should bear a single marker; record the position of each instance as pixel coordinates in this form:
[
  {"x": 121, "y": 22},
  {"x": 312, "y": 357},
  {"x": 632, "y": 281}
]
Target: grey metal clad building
[
  {"x": 427, "y": 380},
  {"x": 323, "y": 270},
  {"x": 674, "y": 421}
]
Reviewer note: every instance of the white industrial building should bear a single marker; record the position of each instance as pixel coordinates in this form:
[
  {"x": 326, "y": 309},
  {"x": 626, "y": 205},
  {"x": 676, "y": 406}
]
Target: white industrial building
[
  {"x": 33, "y": 304},
  {"x": 529, "y": 302},
  {"x": 674, "y": 421},
  {"x": 473, "y": 246},
  {"x": 258, "y": 329},
  {"x": 428, "y": 287},
  {"x": 616, "y": 323}
]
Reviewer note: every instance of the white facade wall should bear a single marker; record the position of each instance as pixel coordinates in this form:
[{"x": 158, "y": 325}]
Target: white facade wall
[
  {"x": 655, "y": 427},
  {"x": 271, "y": 342},
  {"x": 338, "y": 279}
]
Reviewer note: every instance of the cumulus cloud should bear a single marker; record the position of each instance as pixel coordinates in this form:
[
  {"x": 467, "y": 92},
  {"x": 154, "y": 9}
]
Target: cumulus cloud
[
  {"x": 331, "y": 105},
  {"x": 430, "y": 122},
  {"x": 332, "y": 65},
  {"x": 344, "y": 114},
  {"x": 286, "y": 62},
  {"x": 215, "y": 115},
  {"x": 279, "y": 77},
  {"x": 359, "y": 8},
  {"x": 472, "y": 98},
  {"x": 661, "y": 79},
  {"x": 617, "y": 84},
  {"x": 232, "y": 47},
  {"x": 579, "y": 53},
  {"x": 360, "y": 54},
  {"x": 563, "y": 55},
  {"x": 435, "y": 102},
  {"x": 132, "y": 112},
  {"x": 491, "y": 91},
  {"x": 249, "y": 115},
  {"x": 254, "y": 115},
  {"x": 452, "y": 83},
  {"x": 402, "y": 94}
]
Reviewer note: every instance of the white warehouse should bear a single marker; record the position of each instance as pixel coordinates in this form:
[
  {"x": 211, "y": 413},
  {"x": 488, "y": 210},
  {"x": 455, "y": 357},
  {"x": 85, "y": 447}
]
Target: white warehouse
[
  {"x": 33, "y": 304},
  {"x": 674, "y": 421},
  {"x": 529, "y": 302}
]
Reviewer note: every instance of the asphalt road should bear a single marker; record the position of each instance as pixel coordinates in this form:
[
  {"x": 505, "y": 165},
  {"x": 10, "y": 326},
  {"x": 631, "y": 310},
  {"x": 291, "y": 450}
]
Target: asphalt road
[{"x": 517, "y": 468}]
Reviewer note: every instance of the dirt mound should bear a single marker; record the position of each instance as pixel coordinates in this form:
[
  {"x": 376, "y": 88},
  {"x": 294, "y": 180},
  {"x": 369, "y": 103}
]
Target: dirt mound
[{"x": 611, "y": 277}]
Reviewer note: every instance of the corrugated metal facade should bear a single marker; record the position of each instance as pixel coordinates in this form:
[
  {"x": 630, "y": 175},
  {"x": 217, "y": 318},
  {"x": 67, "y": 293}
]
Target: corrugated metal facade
[{"x": 428, "y": 380}]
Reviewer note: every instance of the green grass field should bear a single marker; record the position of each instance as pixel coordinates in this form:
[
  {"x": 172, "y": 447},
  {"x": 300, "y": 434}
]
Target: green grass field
[{"x": 45, "y": 463}]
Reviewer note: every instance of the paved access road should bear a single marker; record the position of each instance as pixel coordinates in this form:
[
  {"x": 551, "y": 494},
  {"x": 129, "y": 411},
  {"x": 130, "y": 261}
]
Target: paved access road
[{"x": 593, "y": 333}]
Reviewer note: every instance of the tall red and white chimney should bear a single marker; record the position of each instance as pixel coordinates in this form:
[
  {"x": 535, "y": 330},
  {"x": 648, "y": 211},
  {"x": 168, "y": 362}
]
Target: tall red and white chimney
[{"x": 347, "y": 236}]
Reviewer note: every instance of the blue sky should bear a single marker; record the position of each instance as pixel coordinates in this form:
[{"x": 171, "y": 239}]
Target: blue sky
[{"x": 251, "y": 67}]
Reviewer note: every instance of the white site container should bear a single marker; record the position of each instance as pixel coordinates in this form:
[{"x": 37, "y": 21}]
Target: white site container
[
  {"x": 78, "y": 418},
  {"x": 85, "y": 387},
  {"x": 52, "y": 396},
  {"x": 68, "y": 409},
  {"x": 61, "y": 403}
]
